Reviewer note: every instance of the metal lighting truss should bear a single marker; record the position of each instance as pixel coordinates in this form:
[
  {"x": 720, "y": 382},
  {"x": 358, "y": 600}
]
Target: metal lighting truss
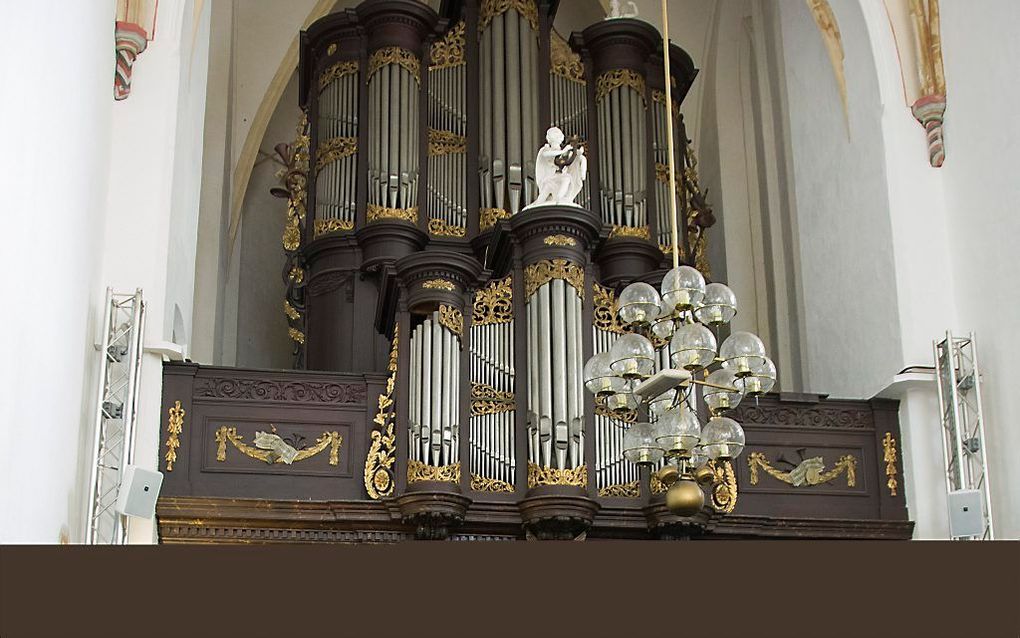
[
  {"x": 113, "y": 436},
  {"x": 963, "y": 427}
]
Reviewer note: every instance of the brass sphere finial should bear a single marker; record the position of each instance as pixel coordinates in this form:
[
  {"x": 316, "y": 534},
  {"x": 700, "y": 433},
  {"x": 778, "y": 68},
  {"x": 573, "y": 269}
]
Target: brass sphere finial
[{"x": 685, "y": 498}]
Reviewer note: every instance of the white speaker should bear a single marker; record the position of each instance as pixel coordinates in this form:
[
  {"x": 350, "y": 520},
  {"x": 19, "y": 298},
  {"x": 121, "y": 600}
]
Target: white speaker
[
  {"x": 138, "y": 492},
  {"x": 966, "y": 517}
]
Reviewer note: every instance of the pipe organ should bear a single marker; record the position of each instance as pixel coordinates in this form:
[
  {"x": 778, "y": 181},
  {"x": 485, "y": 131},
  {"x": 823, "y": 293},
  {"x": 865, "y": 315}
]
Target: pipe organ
[
  {"x": 335, "y": 160},
  {"x": 568, "y": 95},
  {"x": 433, "y": 412},
  {"x": 447, "y": 134}
]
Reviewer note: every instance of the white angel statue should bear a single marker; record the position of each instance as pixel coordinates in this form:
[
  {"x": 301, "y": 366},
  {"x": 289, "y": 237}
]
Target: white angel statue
[{"x": 559, "y": 171}]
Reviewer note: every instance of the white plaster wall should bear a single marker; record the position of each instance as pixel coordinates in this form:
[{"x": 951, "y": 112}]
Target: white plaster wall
[{"x": 55, "y": 122}]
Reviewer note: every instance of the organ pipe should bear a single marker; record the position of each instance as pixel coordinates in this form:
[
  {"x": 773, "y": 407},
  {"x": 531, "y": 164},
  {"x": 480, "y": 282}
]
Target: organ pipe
[{"x": 433, "y": 413}]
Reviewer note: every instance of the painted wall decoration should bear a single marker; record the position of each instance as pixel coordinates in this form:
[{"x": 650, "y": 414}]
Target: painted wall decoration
[{"x": 135, "y": 27}]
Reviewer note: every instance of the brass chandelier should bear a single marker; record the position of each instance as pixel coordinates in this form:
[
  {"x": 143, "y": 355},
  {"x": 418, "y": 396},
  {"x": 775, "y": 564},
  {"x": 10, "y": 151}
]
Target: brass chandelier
[{"x": 652, "y": 371}]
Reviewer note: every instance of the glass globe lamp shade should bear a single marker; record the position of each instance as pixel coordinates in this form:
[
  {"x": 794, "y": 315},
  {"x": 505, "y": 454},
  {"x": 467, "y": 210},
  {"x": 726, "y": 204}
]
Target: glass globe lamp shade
[
  {"x": 638, "y": 304},
  {"x": 678, "y": 431},
  {"x": 664, "y": 324},
  {"x": 683, "y": 288},
  {"x": 760, "y": 381},
  {"x": 599, "y": 378},
  {"x": 632, "y": 357},
  {"x": 639, "y": 445},
  {"x": 621, "y": 403},
  {"x": 741, "y": 351},
  {"x": 693, "y": 347},
  {"x": 718, "y": 306},
  {"x": 727, "y": 395},
  {"x": 698, "y": 456},
  {"x": 660, "y": 405},
  {"x": 723, "y": 438}
]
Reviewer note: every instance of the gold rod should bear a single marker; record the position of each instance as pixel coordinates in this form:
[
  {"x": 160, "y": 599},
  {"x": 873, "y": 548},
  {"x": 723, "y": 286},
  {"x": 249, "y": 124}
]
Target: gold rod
[{"x": 669, "y": 135}]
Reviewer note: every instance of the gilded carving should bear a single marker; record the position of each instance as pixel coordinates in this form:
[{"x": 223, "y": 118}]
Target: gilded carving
[
  {"x": 175, "y": 423},
  {"x": 376, "y": 212},
  {"x": 622, "y": 490},
  {"x": 440, "y": 228},
  {"x": 889, "y": 456},
  {"x": 446, "y": 142},
  {"x": 637, "y": 232},
  {"x": 452, "y": 319},
  {"x": 279, "y": 390},
  {"x": 296, "y": 335},
  {"x": 724, "y": 486},
  {"x": 487, "y": 217},
  {"x": 486, "y": 399},
  {"x": 611, "y": 80},
  {"x": 606, "y": 309},
  {"x": 295, "y": 180},
  {"x": 337, "y": 70},
  {"x": 439, "y": 284},
  {"x": 659, "y": 97},
  {"x": 542, "y": 272},
  {"x": 326, "y": 226},
  {"x": 577, "y": 476},
  {"x": 333, "y": 149},
  {"x": 559, "y": 240},
  {"x": 809, "y": 472},
  {"x": 492, "y": 8},
  {"x": 450, "y": 50},
  {"x": 224, "y": 434},
  {"x": 565, "y": 63},
  {"x": 418, "y": 471},
  {"x": 290, "y": 311},
  {"x": 382, "y": 453},
  {"x": 494, "y": 303},
  {"x": 655, "y": 485},
  {"x": 628, "y": 416},
  {"x": 394, "y": 55},
  {"x": 481, "y": 483}
]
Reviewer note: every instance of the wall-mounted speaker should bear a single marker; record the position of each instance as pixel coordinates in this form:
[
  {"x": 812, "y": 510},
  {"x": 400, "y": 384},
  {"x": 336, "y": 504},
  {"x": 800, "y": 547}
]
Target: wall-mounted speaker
[{"x": 138, "y": 492}]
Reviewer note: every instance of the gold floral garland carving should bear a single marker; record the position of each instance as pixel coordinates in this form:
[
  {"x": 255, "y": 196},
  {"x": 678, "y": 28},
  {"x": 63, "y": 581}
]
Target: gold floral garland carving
[
  {"x": 656, "y": 486},
  {"x": 418, "y": 472},
  {"x": 297, "y": 187},
  {"x": 174, "y": 425},
  {"x": 724, "y": 486},
  {"x": 445, "y": 142},
  {"x": 439, "y": 284},
  {"x": 606, "y": 308},
  {"x": 542, "y": 272},
  {"x": 622, "y": 490},
  {"x": 494, "y": 303},
  {"x": 382, "y": 454},
  {"x": 450, "y": 50},
  {"x": 296, "y": 335},
  {"x": 440, "y": 228},
  {"x": 565, "y": 63},
  {"x": 486, "y": 399},
  {"x": 481, "y": 483},
  {"x": 290, "y": 311},
  {"x": 337, "y": 70},
  {"x": 492, "y": 8},
  {"x": 577, "y": 476},
  {"x": 559, "y": 240},
  {"x": 377, "y": 212},
  {"x": 889, "y": 456},
  {"x": 487, "y": 217},
  {"x": 452, "y": 319},
  {"x": 637, "y": 232},
  {"x": 394, "y": 55},
  {"x": 659, "y": 97},
  {"x": 332, "y": 440},
  {"x": 809, "y": 472},
  {"x": 333, "y": 149},
  {"x": 611, "y": 80},
  {"x": 326, "y": 226}
]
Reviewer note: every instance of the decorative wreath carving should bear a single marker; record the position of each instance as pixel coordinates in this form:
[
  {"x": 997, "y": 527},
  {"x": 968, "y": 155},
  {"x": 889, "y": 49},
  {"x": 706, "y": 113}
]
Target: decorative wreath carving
[
  {"x": 382, "y": 453},
  {"x": 439, "y": 284},
  {"x": 809, "y": 472},
  {"x": 225, "y": 433},
  {"x": 724, "y": 486},
  {"x": 542, "y": 272},
  {"x": 494, "y": 303}
]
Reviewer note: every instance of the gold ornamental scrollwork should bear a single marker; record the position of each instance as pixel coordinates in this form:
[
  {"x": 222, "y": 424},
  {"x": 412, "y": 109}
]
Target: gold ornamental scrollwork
[
  {"x": 655, "y": 485},
  {"x": 337, "y": 70},
  {"x": 440, "y": 228},
  {"x": 637, "y": 232},
  {"x": 174, "y": 426},
  {"x": 659, "y": 97},
  {"x": 439, "y": 284},
  {"x": 627, "y": 416},
  {"x": 492, "y": 8},
  {"x": 622, "y": 490},
  {"x": 564, "y": 62},
  {"x": 377, "y": 212},
  {"x": 382, "y": 454},
  {"x": 537, "y": 475},
  {"x": 486, "y": 399},
  {"x": 487, "y": 217},
  {"x": 481, "y": 483},
  {"x": 542, "y": 272},
  {"x": 559, "y": 240},
  {"x": 290, "y": 311},
  {"x": 809, "y": 472},
  {"x": 333, "y": 149},
  {"x": 295, "y": 180},
  {"x": 724, "y": 486},
  {"x": 450, "y": 50},
  {"x": 418, "y": 472},
  {"x": 225, "y": 434},
  {"x": 327, "y": 226},
  {"x": 606, "y": 309},
  {"x": 296, "y": 335},
  {"x": 395, "y": 55},
  {"x": 493, "y": 303},
  {"x": 445, "y": 142},
  {"x": 452, "y": 319},
  {"x": 611, "y": 80},
  {"x": 889, "y": 456}
]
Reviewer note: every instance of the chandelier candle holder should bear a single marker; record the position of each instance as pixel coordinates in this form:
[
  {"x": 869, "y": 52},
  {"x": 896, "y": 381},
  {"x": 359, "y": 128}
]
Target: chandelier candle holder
[{"x": 679, "y": 324}]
